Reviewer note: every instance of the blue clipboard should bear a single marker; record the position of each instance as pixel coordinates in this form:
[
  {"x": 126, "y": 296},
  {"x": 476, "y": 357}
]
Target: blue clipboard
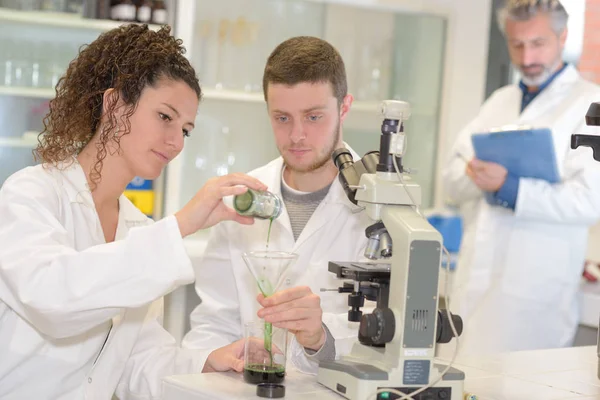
[{"x": 526, "y": 153}]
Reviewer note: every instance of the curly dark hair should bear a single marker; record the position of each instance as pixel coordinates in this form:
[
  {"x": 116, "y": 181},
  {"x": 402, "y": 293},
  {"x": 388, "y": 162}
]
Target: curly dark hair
[{"x": 127, "y": 59}]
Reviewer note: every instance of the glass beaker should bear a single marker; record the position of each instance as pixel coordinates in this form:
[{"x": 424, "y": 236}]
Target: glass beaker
[
  {"x": 267, "y": 268},
  {"x": 265, "y": 353},
  {"x": 266, "y": 346}
]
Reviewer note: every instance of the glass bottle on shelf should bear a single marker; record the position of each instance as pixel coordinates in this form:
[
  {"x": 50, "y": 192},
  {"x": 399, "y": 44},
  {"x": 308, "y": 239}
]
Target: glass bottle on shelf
[
  {"x": 52, "y": 5},
  {"x": 96, "y": 9},
  {"x": 102, "y": 9},
  {"x": 22, "y": 67},
  {"x": 74, "y": 6},
  {"x": 36, "y": 61},
  {"x": 26, "y": 5},
  {"x": 241, "y": 39},
  {"x": 160, "y": 15},
  {"x": 223, "y": 45},
  {"x": 122, "y": 10},
  {"x": 8, "y": 60},
  {"x": 144, "y": 12}
]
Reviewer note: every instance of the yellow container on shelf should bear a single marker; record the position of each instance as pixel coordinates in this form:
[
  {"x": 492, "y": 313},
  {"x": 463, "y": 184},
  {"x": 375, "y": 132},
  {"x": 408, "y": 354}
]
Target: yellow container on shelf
[{"x": 141, "y": 193}]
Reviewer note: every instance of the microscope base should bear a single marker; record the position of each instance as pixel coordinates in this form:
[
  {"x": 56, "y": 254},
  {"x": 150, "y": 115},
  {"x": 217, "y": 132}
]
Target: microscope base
[{"x": 356, "y": 381}]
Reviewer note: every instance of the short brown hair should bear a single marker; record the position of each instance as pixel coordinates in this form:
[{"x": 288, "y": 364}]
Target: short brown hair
[{"x": 306, "y": 59}]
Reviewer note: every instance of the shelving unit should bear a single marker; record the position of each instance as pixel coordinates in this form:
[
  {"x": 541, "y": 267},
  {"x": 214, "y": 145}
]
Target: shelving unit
[
  {"x": 208, "y": 94},
  {"x": 229, "y": 95},
  {"x": 27, "y": 141},
  {"x": 37, "y": 93},
  {"x": 59, "y": 20}
]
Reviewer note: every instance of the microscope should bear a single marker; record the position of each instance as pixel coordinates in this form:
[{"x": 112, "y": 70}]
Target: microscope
[
  {"x": 592, "y": 118},
  {"x": 396, "y": 342}
]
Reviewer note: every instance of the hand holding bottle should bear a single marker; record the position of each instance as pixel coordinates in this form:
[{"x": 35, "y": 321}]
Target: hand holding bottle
[{"x": 206, "y": 208}]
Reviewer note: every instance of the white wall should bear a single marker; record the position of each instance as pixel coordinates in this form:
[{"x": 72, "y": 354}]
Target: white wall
[
  {"x": 574, "y": 45},
  {"x": 465, "y": 73}
]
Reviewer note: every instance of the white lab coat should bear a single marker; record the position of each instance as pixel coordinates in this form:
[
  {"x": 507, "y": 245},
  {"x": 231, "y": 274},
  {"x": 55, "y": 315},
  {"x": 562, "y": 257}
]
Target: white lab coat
[
  {"x": 62, "y": 286},
  {"x": 518, "y": 273},
  {"x": 335, "y": 232}
]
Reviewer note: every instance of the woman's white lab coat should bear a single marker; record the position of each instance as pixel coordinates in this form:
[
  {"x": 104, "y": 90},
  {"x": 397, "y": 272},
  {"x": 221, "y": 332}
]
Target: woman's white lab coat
[
  {"x": 63, "y": 289},
  {"x": 519, "y": 271},
  {"x": 335, "y": 232}
]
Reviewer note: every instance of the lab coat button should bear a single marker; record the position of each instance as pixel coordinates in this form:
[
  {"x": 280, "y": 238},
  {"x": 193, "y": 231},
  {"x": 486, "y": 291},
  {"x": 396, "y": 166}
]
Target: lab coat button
[
  {"x": 288, "y": 281},
  {"x": 89, "y": 380}
]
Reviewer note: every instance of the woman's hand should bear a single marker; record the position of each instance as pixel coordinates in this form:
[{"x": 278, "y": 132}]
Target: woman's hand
[
  {"x": 206, "y": 208},
  {"x": 226, "y": 358}
]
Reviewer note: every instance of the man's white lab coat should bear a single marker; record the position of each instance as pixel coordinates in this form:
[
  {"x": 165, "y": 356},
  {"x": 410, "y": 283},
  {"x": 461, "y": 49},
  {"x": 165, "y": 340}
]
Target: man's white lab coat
[
  {"x": 335, "y": 232},
  {"x": 519, "y": 271}
]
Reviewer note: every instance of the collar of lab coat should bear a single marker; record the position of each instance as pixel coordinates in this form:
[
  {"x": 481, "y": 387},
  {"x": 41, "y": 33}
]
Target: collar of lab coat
[
  {"x": 563, "y": 83},
  {"x": 74, "y": 182},
  {"x": 336, "y": 194},
  {"x": 565, "y": 79}
]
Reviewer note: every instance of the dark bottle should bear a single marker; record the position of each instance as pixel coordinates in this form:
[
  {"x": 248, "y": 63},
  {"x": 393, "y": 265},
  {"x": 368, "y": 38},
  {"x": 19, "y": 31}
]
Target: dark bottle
[
  {"x": 102, "y": 10},
  {"x": 122, "y": 10},
  {"x": 160, "y": 15}
]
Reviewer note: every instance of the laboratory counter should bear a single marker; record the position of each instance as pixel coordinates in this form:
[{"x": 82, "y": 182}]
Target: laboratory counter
[{"x": 557, "y": 374}]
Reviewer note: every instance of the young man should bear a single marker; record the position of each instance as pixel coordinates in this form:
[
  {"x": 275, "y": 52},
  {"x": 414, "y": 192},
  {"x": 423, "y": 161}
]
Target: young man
[
  {"x": 525, "y": 239},
  {"x": 307, "y": 100}
]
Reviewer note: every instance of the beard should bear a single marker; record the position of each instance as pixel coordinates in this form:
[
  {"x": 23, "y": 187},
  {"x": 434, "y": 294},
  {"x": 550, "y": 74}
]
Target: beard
[
  {"x": 541, "y": 77},
  {"x": 323, "y": 157}
]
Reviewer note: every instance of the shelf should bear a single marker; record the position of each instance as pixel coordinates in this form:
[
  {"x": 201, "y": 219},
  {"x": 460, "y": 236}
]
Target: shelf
[
  {"x": 372, "y": 107},
  {"x": 28, "y": 141},
  {"x": 230, "y": 95},
  {"x": 369, "y": 110},
  {"x": 257, "y": 97},
  {"x": 61, "y": 20},
  {"x": 208, "y": 94},
  {"x": 38, "y": 93},
  {"x": 431, "y": 7}
]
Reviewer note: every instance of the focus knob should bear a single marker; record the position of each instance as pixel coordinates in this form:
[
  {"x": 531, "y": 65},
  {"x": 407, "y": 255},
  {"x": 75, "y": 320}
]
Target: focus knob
[
  {"x": 444, "y": 330},
  {"x": 369, "y": 325},
  {"x": 380, "y": 326}
]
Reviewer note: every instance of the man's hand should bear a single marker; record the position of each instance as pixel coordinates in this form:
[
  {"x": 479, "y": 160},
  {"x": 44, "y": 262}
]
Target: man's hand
[
  {"x": 488, "y": 176},
  {"x": 297, "y": 310},
  {"x": 226, "y": 358}
]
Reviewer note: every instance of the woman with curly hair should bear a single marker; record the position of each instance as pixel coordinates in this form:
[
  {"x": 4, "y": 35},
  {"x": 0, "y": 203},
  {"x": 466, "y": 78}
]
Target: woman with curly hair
[{"x": 82, "y": 271}]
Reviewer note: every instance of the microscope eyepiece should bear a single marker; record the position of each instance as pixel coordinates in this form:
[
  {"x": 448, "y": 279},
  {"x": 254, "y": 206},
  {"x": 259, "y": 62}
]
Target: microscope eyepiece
[{"x": 341, "y": 157}]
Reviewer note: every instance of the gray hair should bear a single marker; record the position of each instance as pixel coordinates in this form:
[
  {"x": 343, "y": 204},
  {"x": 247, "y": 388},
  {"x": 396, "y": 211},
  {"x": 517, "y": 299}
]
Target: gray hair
[{"x": 524, "y": 10}]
